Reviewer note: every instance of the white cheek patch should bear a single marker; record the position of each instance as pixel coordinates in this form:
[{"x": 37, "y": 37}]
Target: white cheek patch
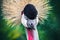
[{"x": 24, "y": 21}]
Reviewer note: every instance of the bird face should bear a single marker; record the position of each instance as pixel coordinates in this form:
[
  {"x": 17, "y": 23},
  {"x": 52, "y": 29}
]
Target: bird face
[{"x": 28, "y": 23}]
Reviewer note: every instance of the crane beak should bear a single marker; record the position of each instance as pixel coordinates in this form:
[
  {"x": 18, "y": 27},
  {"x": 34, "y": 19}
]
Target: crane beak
[{"x": 30, "y": 26}]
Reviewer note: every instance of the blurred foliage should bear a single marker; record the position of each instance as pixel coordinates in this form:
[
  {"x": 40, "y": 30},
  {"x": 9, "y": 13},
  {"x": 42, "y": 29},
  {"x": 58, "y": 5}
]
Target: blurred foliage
[{"x": 50, "y": 30}]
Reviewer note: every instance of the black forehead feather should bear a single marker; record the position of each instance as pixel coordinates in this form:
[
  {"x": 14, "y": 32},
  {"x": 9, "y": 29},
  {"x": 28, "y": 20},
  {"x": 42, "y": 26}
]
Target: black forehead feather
[{"x": 30, "y": 11}]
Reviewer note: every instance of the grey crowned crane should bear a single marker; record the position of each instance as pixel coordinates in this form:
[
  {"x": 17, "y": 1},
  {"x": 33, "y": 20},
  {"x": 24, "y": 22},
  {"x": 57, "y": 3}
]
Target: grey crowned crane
[
  {"x": 33, "y": 10},
  {"x": 30, "y": 20}
]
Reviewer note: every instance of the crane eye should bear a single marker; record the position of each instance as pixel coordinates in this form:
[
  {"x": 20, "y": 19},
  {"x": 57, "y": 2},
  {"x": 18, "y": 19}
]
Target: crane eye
[{"x": 26, "y": 18}]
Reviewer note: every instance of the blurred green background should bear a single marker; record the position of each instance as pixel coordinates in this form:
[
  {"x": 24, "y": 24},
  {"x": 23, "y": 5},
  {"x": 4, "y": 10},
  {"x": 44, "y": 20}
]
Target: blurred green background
[{"x": 50, "y": 30}]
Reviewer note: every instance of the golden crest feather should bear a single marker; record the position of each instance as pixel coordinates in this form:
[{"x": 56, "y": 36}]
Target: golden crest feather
[{"x": 12, "y": 9}]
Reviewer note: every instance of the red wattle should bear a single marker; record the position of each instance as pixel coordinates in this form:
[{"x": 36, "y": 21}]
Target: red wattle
[{"x": 30, "y": 34}]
